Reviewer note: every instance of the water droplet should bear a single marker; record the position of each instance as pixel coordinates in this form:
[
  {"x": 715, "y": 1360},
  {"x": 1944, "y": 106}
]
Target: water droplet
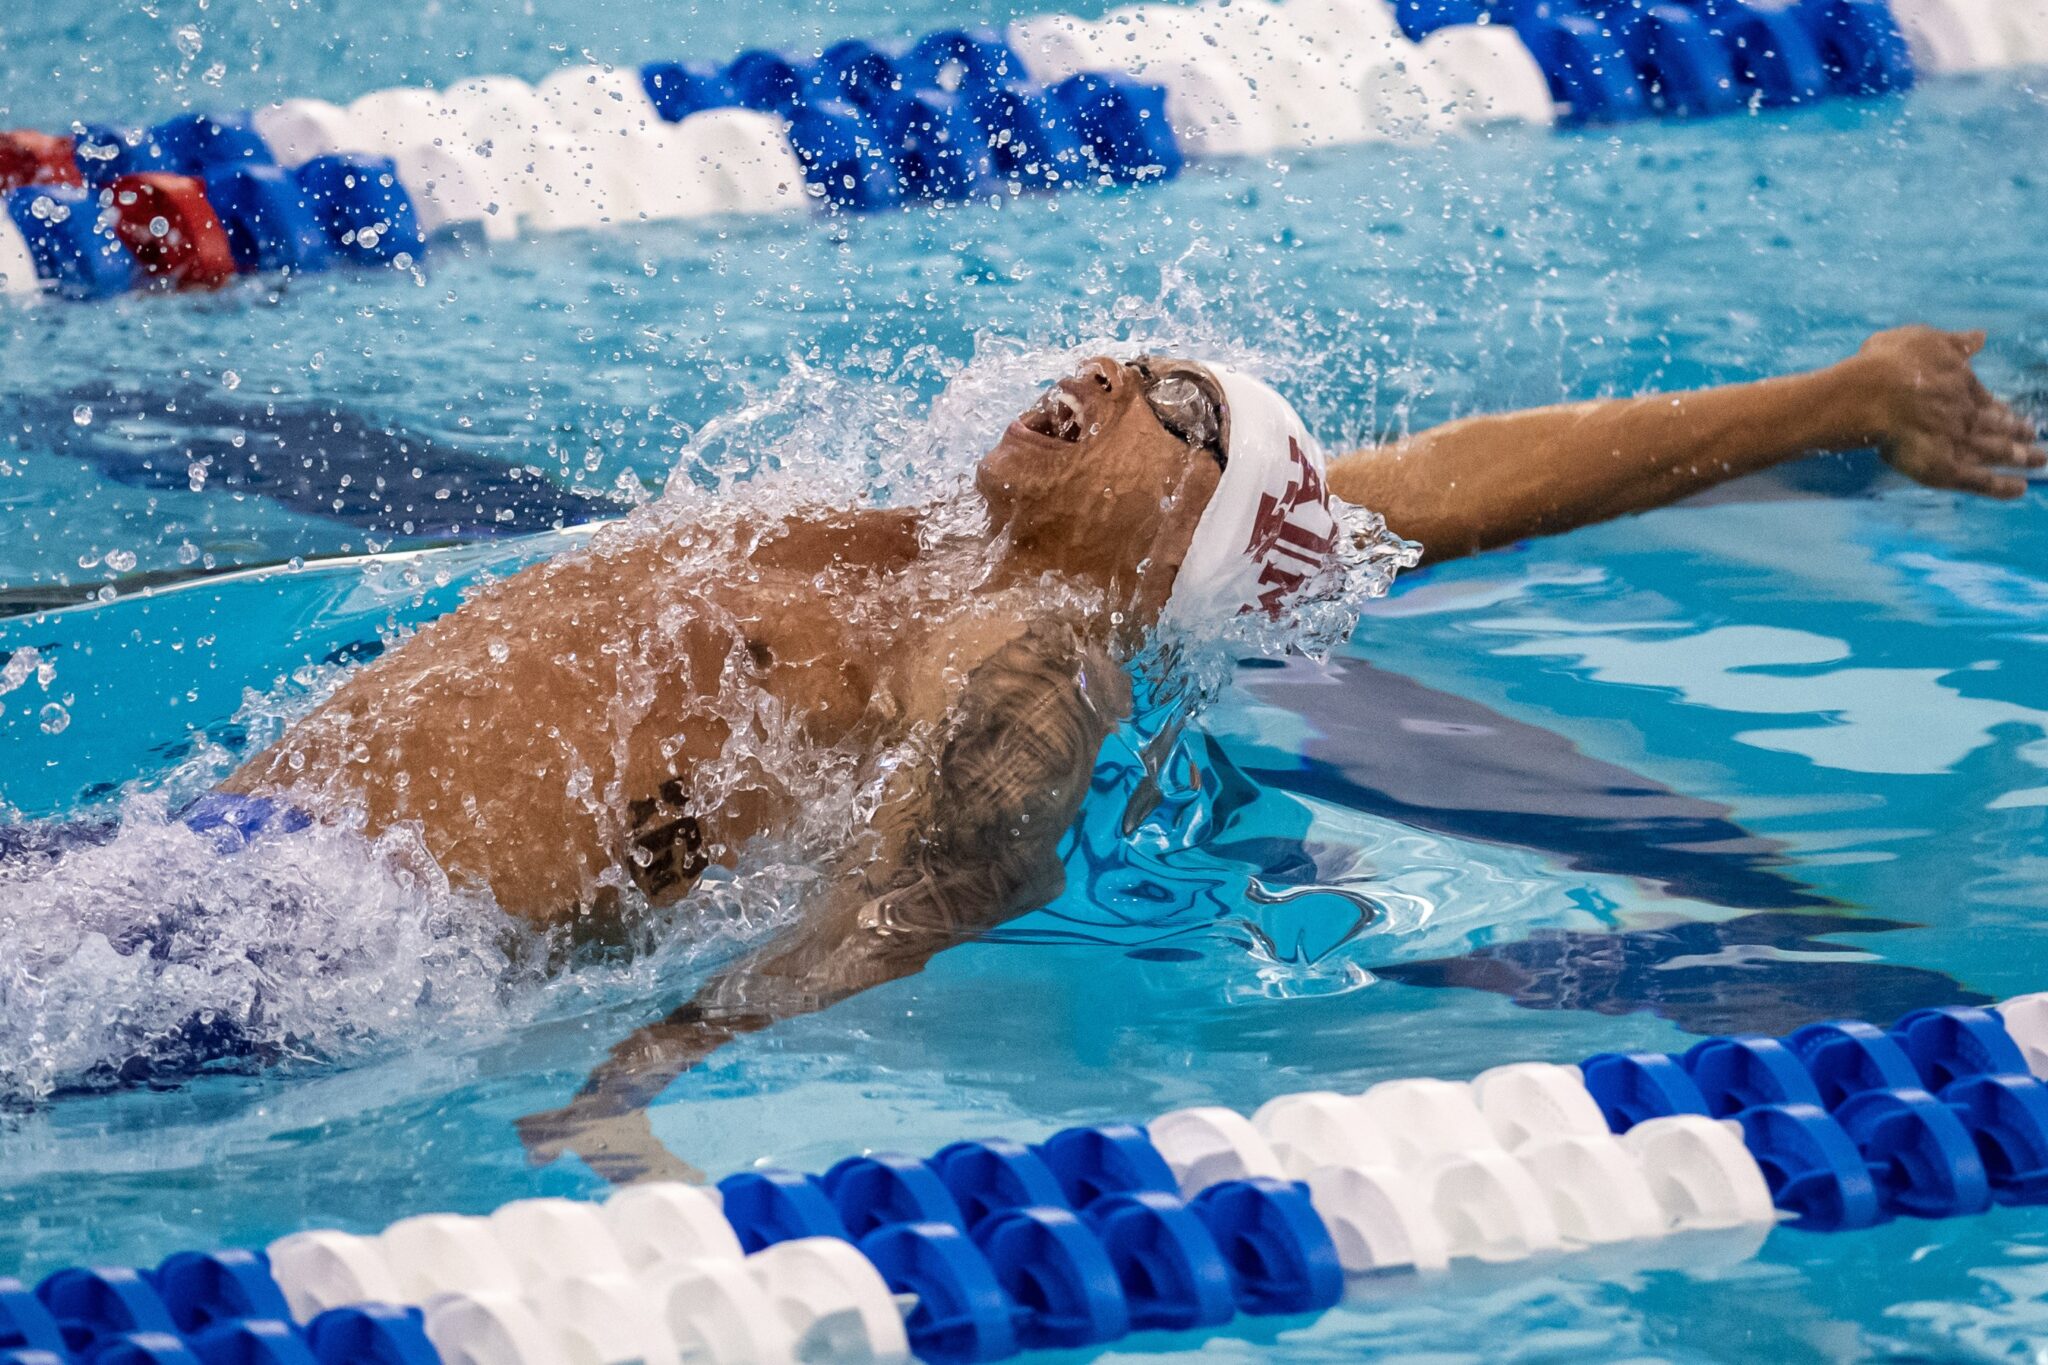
[
  {"x": 188, "y": 40},
  {"x": 499, "y": 651},
  {"x": 54, "y": 718},
  {"x": 230, "y": 380},
  {"x": 120, "y": 561},
  {"x": 82, "y": 415},
  {"x": 159, "y": 226}
]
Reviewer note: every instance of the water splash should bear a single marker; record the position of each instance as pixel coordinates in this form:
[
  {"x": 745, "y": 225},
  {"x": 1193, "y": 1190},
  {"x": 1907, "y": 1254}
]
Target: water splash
[{"x": 136, "y": 953}]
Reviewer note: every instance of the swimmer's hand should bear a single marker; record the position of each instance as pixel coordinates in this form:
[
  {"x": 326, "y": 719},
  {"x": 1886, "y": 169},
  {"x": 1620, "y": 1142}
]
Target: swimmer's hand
[
  {"x": 1934, "y": 421},
  {"x": 621, "y": 1147}
]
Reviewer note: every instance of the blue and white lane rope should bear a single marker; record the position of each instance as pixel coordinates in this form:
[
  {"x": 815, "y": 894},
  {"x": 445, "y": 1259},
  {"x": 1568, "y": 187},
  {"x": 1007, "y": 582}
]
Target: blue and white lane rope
[
  {"x": 993, "y": 1247},
  {"x": 1054, "y": 102}
]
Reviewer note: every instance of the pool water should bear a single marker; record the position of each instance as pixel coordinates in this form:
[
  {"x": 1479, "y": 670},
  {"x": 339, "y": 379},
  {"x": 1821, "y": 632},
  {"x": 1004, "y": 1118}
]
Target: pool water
[{"x": 1777, "y": 756}]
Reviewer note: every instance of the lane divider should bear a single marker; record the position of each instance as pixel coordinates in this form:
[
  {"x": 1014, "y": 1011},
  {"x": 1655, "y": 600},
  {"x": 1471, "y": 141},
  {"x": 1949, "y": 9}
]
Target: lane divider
[
  {"x": 992, "y": 1247},
  {"x": 190, "y": 203},
  {"x": 1051, "y": 103}
]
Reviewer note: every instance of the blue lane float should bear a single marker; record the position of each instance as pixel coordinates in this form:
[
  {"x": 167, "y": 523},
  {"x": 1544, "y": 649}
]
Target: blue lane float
[
  {"x": 196, "y": 1308},
  {"x": 1000, "y": 1246},
  {"x": 188, "y": 144},
  {"x": 1618, "y": 60},
  {"x": 332, "y": 209},
  {"x": 270, "y": 221},
  {"x": 72, "y": 242},
  {"x": 1936, "y": 1117},
  {"x": 953, "y": 116}
]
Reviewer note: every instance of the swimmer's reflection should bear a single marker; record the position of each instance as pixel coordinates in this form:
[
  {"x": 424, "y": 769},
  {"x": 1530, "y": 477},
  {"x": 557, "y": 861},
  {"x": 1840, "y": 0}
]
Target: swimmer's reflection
[
  {"x": 1763, "y": 973},
  {"x": 610, "y": 725}
]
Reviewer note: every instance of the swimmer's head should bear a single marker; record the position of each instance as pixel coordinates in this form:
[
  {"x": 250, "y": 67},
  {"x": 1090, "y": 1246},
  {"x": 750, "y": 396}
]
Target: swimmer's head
[{"x": 1165, "y": 479}]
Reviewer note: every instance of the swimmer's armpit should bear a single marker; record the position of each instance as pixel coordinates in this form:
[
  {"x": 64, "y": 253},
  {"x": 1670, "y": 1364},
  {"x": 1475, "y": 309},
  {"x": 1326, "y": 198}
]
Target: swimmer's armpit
[
  {"x": 1480, "y": 482},
  {"x": 958, "y": 849}
]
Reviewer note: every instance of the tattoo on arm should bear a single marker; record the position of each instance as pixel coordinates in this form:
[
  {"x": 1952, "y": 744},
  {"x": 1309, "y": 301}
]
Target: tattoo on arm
[{"x": 1010, "y": 779}]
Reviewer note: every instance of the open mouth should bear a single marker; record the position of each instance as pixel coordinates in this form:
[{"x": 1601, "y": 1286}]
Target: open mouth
[{"x": 1057, "y": 413}]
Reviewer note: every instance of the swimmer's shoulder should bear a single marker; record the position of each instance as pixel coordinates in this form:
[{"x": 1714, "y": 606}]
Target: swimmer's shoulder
[{"x": 995, "y": 641}]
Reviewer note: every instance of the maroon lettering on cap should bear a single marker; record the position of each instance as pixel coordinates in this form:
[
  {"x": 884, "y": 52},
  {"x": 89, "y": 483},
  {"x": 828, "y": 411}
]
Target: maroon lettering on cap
[{"x": 1277, "y": 536}]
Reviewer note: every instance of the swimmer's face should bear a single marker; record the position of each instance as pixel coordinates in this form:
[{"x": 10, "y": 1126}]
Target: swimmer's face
[{"x": 1091, "y": 480}]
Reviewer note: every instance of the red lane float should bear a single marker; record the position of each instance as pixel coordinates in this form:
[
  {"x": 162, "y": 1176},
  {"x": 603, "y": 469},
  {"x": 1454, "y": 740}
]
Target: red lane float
[
  {"x": 31, "y": 158},
  {"x": 175, "y": 235}
]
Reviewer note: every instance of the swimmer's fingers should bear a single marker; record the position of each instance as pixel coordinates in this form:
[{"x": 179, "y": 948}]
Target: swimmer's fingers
[
  {"x": 1998, "y": 435},
  {"x": 2001, "y": 448},
  {"x": 1964, "y": 478}
]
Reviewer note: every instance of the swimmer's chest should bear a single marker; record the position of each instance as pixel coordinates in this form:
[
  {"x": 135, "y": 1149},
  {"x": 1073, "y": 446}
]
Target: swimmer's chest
[{"x": 884, "y": 655}]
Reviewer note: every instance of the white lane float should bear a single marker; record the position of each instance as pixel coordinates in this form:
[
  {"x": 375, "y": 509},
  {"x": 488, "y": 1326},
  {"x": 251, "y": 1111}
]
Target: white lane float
[
  {"x": 834, "y": 1302},
  {"x": 298, "y": 130},
  {"x": 1489, "y": 74},
  {"x": 325, "y": 1269},
  {"x": 669, "y": 1223},
  {"x": 1056, "y": 46},
  {"x": 452, "y": 187},
  {"x": 1596, "y": 1189},
  {"x": 388, "y": 121},
  {"x": 1209, "y": 1145},
  {"x": 599, "y": 98},
  {"x": 1947, "y": 36},
  {"x": 1379, "y": 1219},
  {"x": 546, "y": 1239},
  {"x": 18, "y": 274},
  {"x": 716, "y": 1313},
  {"x": 1490, "y": 1208},
  {"x": 446, "y": 1253},
  {"x": 750, "y": 165},
  {"x": 1701, "y": 1174},
  {"x": 1528, "y": 1102},
  {"x": 490, "y": 1328},
  {"x": 1318, "y": 1129},
  {"x": 604, "y": 1319},
  {"x": 1427, "y": 1120}
]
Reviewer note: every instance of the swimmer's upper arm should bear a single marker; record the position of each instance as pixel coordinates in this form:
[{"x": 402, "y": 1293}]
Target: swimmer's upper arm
[
  {"x": 1019, "y": 751},
  {"x": 971, "y": 842}
]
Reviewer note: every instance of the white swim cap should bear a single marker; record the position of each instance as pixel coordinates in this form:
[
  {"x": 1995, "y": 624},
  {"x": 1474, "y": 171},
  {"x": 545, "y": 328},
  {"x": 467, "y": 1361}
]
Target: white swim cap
[{"x": 1269, "y": 527}]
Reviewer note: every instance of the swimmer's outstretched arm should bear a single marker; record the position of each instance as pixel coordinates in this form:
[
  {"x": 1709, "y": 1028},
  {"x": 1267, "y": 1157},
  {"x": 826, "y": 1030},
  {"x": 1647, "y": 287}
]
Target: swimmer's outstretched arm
[
  {"x": 1482, "y": 482},
  {"x": 956, "y": 851}
]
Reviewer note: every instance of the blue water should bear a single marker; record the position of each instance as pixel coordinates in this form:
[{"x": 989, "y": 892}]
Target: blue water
[{"x": 1780, "y": 755}]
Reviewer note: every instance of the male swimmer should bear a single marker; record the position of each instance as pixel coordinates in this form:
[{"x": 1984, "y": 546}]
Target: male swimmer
[{"x": 579, "y": 737}]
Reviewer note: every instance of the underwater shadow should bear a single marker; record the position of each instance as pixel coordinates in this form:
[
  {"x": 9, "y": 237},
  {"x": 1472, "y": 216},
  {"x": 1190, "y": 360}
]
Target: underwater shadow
[
  {"x": 317, "y": 457},
  {"x": 1761, "y": 973},
  {"x": 1389, "y": 746}
]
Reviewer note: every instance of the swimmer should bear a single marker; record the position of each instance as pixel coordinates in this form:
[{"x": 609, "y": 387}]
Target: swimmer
[{"x": 567, "y": 739}]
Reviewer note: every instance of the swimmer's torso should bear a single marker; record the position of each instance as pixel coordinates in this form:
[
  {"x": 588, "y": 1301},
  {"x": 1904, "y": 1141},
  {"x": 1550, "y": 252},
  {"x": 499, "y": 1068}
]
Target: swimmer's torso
[{"x": 613, "y": 722}]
